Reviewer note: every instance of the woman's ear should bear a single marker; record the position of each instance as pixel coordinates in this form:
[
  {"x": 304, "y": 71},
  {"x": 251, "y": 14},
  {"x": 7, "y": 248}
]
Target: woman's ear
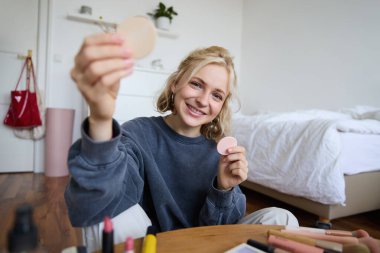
[{"x": 173, "y": 87}]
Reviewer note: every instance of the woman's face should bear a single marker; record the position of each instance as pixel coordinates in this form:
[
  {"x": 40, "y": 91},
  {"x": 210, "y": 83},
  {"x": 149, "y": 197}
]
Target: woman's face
[{"x": 199, "y": 101}]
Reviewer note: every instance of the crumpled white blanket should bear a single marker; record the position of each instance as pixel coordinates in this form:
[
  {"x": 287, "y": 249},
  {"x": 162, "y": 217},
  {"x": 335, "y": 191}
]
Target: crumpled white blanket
[
  {"x": 363, "y": 112},
  {"x": 298, "y": 152},
  {"x": 364, "y": 120}
]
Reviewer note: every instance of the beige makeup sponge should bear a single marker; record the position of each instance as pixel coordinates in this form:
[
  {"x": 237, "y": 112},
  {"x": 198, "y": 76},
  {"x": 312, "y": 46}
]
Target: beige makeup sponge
[{"x": 140, "y": 35}]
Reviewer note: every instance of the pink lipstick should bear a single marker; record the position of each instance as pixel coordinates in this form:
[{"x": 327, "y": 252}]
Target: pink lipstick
[{"x": 107, "y": 243}]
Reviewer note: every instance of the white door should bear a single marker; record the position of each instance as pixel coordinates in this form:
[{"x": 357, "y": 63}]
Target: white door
[{"x": 18, "y": 33}]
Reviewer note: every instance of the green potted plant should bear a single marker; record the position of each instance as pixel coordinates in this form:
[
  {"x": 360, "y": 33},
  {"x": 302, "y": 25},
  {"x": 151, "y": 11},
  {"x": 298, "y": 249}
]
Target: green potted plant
[{"x": 163, "y": 16}]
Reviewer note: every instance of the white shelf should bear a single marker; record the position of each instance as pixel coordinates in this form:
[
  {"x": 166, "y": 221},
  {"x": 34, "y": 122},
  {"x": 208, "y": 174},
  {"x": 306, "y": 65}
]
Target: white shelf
[
  {"x": 97, "y": 20},
  {"x": 167, "y": 34},
  {"x": 152, "y": 70},
  {"x": 92, "y": 19}
]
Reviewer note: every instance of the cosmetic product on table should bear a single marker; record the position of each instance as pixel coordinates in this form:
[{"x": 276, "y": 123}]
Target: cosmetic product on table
[
  {"x": 23, "y": 237},
  {"x": 244, "y": 248},
  {"x": 336, "y": 247},
  {"x": 357, "y": 233},
  {"x": 129, "y": 245},
  {"x": 357, "y": 241},
  {"x": 150, "y": 241},
  {"x": 332, "y": 238},
  {"x": 292, "y": 246},
  {"x": 264, "y": 247},
  {"x": 107, "y": 240}
]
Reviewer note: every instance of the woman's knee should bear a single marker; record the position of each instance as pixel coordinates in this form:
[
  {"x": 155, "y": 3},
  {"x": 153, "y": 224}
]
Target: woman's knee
[{"x": 271, "y": 216}]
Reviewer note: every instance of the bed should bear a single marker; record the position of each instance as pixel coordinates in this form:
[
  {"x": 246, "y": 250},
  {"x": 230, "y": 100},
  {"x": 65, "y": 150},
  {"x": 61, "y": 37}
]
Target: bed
[{"x": 325, "y": 162}]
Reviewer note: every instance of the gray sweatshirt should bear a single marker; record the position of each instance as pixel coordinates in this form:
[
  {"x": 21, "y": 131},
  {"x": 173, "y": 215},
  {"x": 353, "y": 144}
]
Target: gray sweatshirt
[{"x": 171, "y": 176}]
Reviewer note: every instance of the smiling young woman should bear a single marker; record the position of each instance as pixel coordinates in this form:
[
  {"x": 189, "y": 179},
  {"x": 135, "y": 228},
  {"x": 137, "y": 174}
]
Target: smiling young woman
[
  {"x": 199, "y": 100},
  {"x": 164, "y": 171},
  {"x": 211, "y": 74}
]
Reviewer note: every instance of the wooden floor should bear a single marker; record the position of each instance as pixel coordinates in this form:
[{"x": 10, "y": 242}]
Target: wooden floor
[
  {"x": 56, "y": 233},
  {"x": 50, "y": 212}
]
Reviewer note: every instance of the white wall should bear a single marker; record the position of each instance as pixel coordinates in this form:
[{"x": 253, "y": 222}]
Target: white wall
[
  {"x": 199, "y": 23},
  {"x": 310, "y": 54},
  {"x": 290, "y": 54}
]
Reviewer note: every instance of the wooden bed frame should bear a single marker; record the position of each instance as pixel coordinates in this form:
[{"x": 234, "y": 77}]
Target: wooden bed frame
[{"x": 362, "y": 195}]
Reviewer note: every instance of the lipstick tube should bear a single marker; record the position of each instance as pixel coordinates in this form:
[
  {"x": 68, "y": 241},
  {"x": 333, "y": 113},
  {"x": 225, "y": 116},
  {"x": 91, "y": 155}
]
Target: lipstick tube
[{"x": 107, "y": 240}]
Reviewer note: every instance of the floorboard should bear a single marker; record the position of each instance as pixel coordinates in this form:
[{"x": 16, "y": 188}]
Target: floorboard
[{"x": 50, "y": 213}]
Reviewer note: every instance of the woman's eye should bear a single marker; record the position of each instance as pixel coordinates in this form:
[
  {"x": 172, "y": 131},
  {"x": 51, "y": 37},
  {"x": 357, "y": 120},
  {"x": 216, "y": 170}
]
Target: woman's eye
[
  {"x": 195, "y": 84},
  {"x": 218, "y": 97}
]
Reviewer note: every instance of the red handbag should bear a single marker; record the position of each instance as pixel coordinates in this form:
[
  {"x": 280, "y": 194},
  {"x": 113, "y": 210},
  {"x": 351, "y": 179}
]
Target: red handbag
[{"x": 23, "y": 110}]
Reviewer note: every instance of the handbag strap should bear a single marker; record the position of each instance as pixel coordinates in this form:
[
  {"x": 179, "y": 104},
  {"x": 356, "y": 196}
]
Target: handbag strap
[
  {"x": 33, "y": 75},
  {"x": 22, "y": 71},
  {"x": 28, "y": 66},
  {"x": 29, "y": 69}
]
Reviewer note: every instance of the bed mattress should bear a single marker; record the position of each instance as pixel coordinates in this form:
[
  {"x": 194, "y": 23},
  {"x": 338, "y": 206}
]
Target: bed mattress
[
  {"x": 359, "y": 153},
  {"x": 307, "y": 153}
]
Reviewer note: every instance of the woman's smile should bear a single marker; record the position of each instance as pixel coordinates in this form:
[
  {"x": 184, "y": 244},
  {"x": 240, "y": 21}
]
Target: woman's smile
[{"x": 194, "y": 111}]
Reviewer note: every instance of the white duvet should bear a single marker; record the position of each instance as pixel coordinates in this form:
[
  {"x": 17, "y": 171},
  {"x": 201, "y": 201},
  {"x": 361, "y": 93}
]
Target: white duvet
[{"x": 298, "y": 153}]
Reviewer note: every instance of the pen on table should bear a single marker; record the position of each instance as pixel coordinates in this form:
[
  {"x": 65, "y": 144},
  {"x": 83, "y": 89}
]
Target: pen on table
[
  {"x": 307, "y": 240},
  {"x": 107, "y": 240},
  {"x": 150, "y": 241},
  {"x": 264, "y": 247}
]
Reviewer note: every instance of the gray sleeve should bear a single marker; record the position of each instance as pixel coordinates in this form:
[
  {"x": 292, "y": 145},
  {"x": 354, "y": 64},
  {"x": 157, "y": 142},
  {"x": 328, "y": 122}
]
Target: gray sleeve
[
  {"x": 223, "y": 207},
  {"x": 105, "y": 178}
]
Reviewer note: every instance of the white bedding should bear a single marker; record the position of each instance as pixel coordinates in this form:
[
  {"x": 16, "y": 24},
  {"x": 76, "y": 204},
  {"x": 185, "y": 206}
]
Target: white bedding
[
  {"x": 360, "y": 153},
  {"x": 298, "y": 153}
]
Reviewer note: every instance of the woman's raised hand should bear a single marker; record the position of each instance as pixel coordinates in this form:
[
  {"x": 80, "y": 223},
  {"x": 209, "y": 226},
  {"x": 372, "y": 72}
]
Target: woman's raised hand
[
  {"x": 233, "y": 168},
  {"x": 99, "y": 65}
]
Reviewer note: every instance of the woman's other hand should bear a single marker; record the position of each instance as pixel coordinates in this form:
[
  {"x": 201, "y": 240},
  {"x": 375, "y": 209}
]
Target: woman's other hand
[{"x": 233, "y": 168}]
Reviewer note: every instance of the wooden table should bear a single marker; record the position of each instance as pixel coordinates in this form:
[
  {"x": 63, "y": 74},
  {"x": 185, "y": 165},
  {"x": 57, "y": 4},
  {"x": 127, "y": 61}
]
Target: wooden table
[{"x": 210, "y": 239}]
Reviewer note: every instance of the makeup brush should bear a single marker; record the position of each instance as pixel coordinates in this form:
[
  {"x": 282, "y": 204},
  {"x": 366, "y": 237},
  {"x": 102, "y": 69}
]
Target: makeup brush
[
  {"x": 332, "y": 238},
  {"x": 348, "y": 242},
  {"x": 336, "y": 247},
  {"x": 356, "y": 233}
]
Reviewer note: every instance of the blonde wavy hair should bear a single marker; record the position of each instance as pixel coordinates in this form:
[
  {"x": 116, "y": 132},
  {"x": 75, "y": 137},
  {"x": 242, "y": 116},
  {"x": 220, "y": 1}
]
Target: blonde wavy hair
[{"x": 196, "y": 60}]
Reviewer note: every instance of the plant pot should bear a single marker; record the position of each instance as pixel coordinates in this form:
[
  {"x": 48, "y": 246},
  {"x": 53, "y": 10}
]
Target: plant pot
[{"x": 163, "y": 23}]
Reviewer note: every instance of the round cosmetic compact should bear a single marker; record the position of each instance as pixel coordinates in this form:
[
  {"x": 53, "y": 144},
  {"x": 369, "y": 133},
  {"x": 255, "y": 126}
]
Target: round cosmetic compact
[
  {"x": 140, "y": 35},
  {"x": 225, "y": 143}
]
